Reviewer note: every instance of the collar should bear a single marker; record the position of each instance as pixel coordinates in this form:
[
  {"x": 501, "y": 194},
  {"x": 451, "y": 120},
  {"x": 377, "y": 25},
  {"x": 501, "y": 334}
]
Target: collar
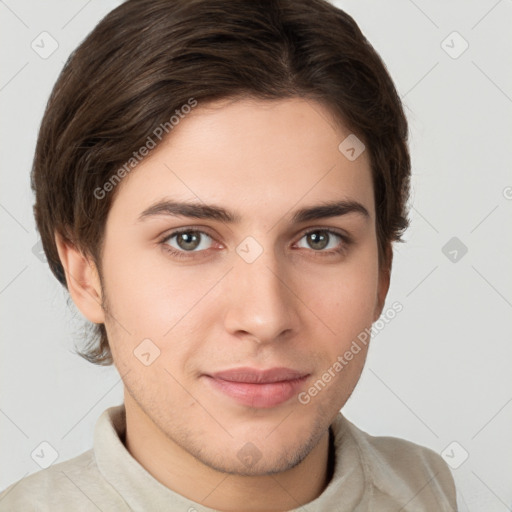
[{"x": 345, "y": 491}]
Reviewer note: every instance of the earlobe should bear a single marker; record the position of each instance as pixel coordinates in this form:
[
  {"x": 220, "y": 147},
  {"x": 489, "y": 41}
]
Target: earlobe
[{"x": 82, "y": 279}]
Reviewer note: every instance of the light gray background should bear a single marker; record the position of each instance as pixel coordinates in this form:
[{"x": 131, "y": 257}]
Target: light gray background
[{"x": 438, "y": 373}]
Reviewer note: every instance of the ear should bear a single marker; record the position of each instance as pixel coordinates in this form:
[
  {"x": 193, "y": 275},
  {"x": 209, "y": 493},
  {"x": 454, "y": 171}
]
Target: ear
[
  {"x": 384, "y": 281},
  {"x": 82, "y": 279}
]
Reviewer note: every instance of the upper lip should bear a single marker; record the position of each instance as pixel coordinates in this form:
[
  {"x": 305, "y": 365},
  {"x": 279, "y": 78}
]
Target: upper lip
[{"x": 258, "y": 376}]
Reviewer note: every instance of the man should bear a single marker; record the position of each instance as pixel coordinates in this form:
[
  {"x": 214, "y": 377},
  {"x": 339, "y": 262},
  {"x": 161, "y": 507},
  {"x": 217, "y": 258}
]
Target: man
[{"x": 218, "y": 185}]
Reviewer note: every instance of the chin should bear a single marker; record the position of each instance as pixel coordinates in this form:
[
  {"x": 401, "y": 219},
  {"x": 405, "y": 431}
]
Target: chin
[
  {"x": 258, "y": 465},
  {"x": 268, "y": 455}
]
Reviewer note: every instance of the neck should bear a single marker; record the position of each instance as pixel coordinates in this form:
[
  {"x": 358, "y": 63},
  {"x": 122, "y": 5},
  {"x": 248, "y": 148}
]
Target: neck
[{"x": 179, "y": 471}]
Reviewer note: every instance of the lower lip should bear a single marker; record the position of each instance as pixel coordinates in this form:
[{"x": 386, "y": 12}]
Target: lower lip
[{"x": 262, "y": 396}]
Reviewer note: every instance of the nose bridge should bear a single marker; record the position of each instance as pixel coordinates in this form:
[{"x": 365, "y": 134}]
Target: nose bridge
[{"x": 261, "y": 304}]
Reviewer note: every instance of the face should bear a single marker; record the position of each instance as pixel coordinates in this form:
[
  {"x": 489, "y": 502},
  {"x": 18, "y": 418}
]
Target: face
[{"x": 222, "y": 321}]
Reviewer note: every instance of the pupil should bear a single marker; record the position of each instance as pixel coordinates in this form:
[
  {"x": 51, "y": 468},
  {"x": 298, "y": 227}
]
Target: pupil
[
  {"x": 189, "y": 241},
  {"x": 318, "y": 241}
]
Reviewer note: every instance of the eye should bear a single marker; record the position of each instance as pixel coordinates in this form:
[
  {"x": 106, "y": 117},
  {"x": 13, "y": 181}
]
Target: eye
[
  {"x": 187, "y": 241},
  {"x": 325, "y": 240}
]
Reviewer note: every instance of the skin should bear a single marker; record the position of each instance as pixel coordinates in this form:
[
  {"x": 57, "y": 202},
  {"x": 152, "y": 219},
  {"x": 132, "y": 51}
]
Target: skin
[{"x": 293, "y": 306}]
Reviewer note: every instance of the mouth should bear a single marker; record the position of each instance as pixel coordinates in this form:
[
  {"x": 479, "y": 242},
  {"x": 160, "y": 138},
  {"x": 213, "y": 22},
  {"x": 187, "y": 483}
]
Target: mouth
[{"x": 262, "y": 389}]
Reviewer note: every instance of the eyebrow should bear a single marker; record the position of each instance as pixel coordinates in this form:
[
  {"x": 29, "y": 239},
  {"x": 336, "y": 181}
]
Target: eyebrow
[{"x": 213, "y": 212}]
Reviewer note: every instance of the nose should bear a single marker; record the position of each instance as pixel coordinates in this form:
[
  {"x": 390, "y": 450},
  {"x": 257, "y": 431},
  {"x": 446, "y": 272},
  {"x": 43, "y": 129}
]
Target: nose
[{"x": 260, "y": 301}]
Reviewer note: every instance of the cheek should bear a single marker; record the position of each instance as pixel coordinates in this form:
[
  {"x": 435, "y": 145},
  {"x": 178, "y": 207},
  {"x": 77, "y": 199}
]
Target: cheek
[
  {"x": 345, "y": 297},
  {"x": 149, "y": 299},
  {"x": 152, "y": 298},
  {"x": 139, "y": 290}
]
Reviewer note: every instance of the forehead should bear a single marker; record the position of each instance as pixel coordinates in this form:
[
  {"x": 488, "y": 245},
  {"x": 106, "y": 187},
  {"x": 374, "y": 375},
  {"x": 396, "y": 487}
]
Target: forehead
[{"x": 261, "y": 157}]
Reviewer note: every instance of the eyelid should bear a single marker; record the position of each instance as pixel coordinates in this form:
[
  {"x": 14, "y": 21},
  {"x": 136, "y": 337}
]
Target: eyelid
[
  {"x": 178, "y": 254},
  {"x": 337, "y": 231},
  {"x": 203, "y": 230},
  {"x": 187, "y": 229}
]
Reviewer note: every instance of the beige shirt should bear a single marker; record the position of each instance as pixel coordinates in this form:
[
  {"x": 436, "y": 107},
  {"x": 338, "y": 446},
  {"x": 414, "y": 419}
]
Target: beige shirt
[{"x": 381, "y": 474}]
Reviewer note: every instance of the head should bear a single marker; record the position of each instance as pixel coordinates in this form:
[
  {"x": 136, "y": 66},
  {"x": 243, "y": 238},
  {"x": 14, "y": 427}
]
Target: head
[{"x": 245, "y": 109}]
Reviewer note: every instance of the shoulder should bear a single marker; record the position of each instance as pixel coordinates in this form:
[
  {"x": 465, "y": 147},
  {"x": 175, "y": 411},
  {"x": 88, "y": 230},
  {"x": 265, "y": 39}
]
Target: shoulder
[
  {"x": 70, "y": 485},
  {"x": 404, "y": 473}
]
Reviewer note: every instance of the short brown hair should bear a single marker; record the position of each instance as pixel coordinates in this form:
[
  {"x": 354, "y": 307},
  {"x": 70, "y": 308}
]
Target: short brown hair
[{"x": 147, "y": 58}]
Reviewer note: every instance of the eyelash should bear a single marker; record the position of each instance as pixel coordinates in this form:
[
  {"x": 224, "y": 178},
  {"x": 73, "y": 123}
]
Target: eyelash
[{"x": 346, "y": 242}]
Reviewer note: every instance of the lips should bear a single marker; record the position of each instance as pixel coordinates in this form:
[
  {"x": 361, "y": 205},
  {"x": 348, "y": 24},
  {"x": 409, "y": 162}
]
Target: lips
[
  {"x": 251, "y": 375},
  {"x": 258, "y": 388}
]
